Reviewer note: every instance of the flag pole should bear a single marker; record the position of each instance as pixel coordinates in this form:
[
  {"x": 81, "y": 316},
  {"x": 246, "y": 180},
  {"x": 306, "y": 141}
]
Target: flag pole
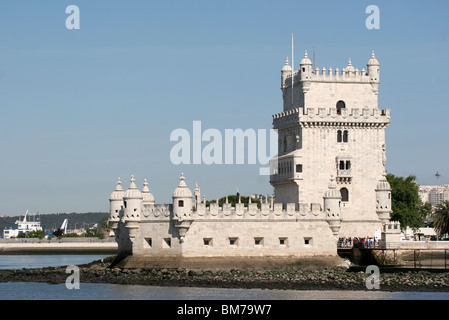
[{"x": 293, "y": 68}]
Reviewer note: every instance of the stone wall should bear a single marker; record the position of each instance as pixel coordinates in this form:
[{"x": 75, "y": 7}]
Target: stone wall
[{"x": 278, "y": 230}]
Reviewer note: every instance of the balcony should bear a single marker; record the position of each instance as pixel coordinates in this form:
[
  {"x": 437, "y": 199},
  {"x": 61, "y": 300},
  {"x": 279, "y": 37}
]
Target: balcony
[
  {"x": 344, "y": 172},
  {"x": 287, "y": 167}
]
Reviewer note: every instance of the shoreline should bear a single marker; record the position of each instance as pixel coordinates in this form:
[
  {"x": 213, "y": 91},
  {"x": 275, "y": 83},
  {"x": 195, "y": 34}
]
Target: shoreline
[
  {"x": 55, "y": 248},
  {"x": 58, "y": 251},
  {"x": 277, "y": 277}
]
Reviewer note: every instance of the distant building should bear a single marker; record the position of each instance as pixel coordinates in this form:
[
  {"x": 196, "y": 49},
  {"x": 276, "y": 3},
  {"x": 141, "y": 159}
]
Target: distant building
[
  {"x": 437, "y": 197},
  {"x": 434, "y": 194},
  {"x": 23, "y": 226}
]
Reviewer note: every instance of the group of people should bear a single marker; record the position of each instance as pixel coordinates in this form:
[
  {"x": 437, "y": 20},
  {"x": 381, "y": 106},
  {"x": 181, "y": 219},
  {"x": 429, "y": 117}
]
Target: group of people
[{"x": 357, "y": 242}]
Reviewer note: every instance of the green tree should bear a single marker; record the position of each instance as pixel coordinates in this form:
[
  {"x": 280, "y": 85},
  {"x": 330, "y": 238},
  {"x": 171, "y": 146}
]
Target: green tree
[
  {"x": 93, "y": 232},
  {"x": 441, "y": 218},
  {"x": 407, "y": 207},
  {"x": 32, "y": 234},
  {"x": 233, "y": 199},
  {"x": 71, "y": 235}
]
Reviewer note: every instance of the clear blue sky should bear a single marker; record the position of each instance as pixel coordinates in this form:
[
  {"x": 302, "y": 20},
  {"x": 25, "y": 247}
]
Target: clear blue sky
[{"x": 80, "y": 108}]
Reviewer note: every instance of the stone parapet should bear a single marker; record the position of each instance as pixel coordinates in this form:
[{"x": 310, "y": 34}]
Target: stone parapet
[
  {"x": 267, "y": 211},
  {"x": 331, "y": 75},
  {"x": 157, "y": 211},
  {"x": 364, "y": 117}
]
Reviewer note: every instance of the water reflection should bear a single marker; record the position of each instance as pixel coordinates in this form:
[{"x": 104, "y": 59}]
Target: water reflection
[{"x": 93, "y": 291}]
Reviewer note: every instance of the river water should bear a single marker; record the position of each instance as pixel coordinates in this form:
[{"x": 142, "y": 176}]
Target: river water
[{"x": 93, "y": 291}]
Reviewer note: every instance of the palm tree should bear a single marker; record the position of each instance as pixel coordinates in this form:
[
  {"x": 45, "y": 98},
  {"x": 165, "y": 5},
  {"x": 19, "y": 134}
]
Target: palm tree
[{"x": 441, "y": 218}]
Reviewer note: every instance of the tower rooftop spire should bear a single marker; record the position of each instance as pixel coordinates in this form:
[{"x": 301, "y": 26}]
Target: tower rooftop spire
[
  {"x": 287, "y": 66},
  {"x": 133, "y": 184},
  {"x": 373, "y": 61},
  {"x": 182, "y": 190},
  {"x": 306, "y": 59},
  {"x": 119, "y": 185},
  {"x": 132, "y": 191},
  {"x": 147, "y": 196},
  {"x": 145, "y": 186}
]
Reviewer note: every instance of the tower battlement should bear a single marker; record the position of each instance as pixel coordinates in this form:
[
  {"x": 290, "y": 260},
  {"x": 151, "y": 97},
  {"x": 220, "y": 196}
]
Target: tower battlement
[
  {"x": 269, "y": 211},
  {"x": 344, "y": 75},
  {"x": 319, "y": 87},
  {"x": 331, "y": 116}
]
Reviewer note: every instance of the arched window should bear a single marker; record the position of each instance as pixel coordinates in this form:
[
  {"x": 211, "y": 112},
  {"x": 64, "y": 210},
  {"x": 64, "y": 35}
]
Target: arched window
[
  {"x": 348, "y": 165},
  {"x": 181, "y": 203},
  {"x": 342, "y": 165},
  {"x": 344, "y": 194},
  {"x": 345, "y": 136},
  {"x": 339, "y": 136},
  {"x": 340, "y": 105}
]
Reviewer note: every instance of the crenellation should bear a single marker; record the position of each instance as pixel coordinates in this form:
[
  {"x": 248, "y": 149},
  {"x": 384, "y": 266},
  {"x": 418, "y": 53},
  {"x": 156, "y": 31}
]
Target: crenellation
[
  {"x": 156, "y": 211},
  {"x": 356, "y": 115},
  {"x": 329, "y": 75},
  {"x": 163, "y": 212}
]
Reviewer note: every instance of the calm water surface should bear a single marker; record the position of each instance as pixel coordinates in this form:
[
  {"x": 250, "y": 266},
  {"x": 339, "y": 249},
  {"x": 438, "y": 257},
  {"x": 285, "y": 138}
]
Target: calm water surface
[
  {"x": 93, "y": 291},
  {"x": 40, "y": 261}
]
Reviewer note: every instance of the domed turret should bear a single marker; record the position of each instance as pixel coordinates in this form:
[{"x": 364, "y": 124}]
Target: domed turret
[
  {"x": 118, "y": 193},
  {"x": 182, "y": 200},
  {"x": 182, "y": 208},
  {"x": 147, "y": 197},
  {"x": 305, "y": 60},
  {"x": 182, "y": 191},
  {"x": 383, "y": 200},
  {"x": 132, "y": 201},
  {"x": 287, "y": 67},
  {"x": 373, "y": 61},
  {"x": 374, "y": 72},
  {"x": 116, "y": 205},
  {"x": 332, "y": 192},
  {"x": 332, "y": 199},
  {"x": 383, "y": 185},
  {"x": 285, "y": 73},
  {"x": 133, "y": 192},
  {"x": 306, "y": 72}
]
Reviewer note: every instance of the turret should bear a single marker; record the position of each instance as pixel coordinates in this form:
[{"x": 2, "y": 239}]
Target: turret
[
  {"x": 132, "y": 201},
  {"x": 306, "y": 72},
  {"x": 182, "y": 208},
  {"x": 374, "y": 72},
  {"x": 182, "y": 200},
  {"x": 332, "y": 200},
  {"x": 285, "y": 72},
  {"x": 115, "y": 205},
  {"x": 306, "y": 68},
  {"x": 147, "y": 197},
  {"x": 383, "y": 200}
]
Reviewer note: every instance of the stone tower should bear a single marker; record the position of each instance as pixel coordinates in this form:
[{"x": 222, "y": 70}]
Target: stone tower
[{"x": 331, "y": 125}]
